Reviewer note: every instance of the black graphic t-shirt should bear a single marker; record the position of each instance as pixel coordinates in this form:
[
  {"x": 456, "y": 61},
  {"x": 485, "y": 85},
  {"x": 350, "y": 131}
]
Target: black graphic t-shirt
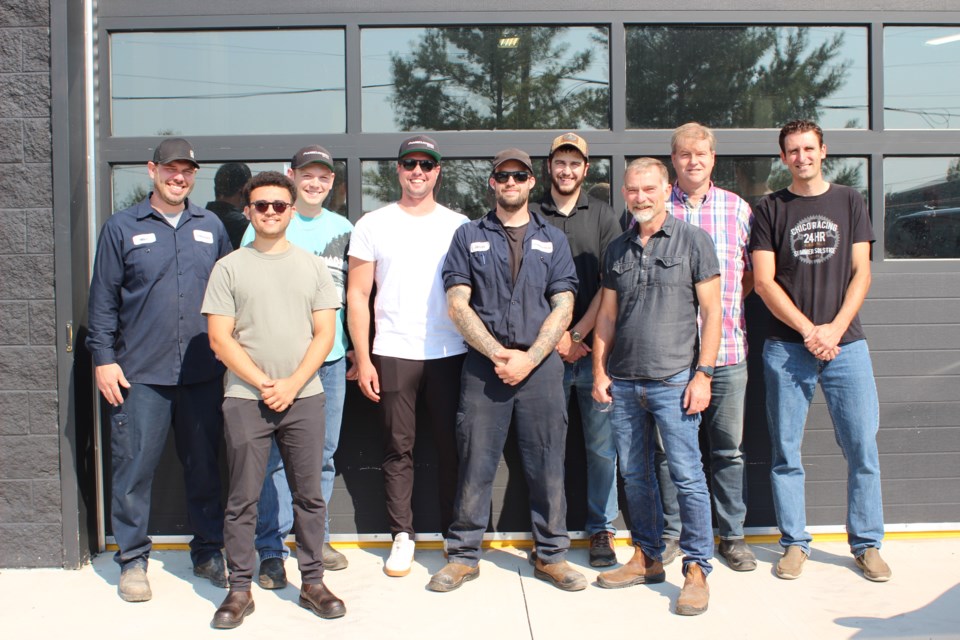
[{"x": 813, "y": 240}]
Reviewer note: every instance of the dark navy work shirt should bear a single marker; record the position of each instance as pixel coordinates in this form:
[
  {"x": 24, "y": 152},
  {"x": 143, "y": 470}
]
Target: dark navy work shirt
[
  {"x": 145, "y": 296},
  {"x": 656, "y": 327},
  {"x": 480, "y": 258}
]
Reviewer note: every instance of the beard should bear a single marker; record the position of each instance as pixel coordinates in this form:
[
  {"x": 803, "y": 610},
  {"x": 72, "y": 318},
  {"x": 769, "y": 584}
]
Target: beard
[
  {"x": 565, "y": 191},
  {"x": 643, "y": 215},
  {"x": 511, "y": 206}
]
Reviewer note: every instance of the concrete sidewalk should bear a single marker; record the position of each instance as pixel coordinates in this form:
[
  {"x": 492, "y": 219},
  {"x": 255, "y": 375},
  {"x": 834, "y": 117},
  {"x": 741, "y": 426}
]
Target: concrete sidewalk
[{"x": 831, "y": 600}]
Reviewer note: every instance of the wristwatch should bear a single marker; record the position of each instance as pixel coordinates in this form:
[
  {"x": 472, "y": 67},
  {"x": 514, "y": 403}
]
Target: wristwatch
[
  {"x": 575, "y": 336},
  {"x": 705, "y": 370}
]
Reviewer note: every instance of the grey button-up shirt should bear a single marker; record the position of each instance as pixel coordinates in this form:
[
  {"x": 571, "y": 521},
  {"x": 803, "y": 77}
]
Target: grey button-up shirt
[{"x": 656, "y": 327}]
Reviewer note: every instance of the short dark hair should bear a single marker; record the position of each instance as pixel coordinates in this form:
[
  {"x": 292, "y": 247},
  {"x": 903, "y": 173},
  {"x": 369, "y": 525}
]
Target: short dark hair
[
  {"x": 799, "y": 126},
  {"x": 230, "y": 178},
  {"x": 269, "y": 179}
]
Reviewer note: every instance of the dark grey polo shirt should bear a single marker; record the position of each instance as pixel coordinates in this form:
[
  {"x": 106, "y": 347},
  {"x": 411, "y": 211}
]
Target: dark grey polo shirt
[{"x": 656, "y": 327}]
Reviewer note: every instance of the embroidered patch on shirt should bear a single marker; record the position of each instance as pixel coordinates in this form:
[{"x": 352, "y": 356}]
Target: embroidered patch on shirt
[
  {"x": 479, "y": 246},
  {"x": 202, "y": 236},
  {"x": 540, "y": 245},
  {"x": 144, "y": 238}
]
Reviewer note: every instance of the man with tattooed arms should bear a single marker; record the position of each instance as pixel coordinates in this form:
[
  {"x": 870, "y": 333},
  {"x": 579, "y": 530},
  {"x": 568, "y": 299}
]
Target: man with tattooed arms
[{"x": 510, "y": 283}]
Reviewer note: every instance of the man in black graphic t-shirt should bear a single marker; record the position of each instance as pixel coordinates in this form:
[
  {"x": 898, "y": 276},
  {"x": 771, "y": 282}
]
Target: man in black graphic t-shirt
[{"x": 811, "y": 263}]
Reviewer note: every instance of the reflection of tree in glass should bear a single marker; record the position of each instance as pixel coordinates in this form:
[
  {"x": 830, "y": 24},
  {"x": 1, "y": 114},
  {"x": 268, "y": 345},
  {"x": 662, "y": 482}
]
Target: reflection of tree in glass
[
  {"x": 135, "y": 195},
  {"x": 728, "y": 77},
  {"x": 485, "y": 78}
]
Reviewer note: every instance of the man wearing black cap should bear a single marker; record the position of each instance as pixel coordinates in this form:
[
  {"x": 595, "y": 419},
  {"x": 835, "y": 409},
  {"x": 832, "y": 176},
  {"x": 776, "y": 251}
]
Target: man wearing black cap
[
  {"x": 325, "y": 234},
  {"x": 510, "y": 281},
  {"x": 154, "y": 365},
  {"x": 589, "y": 225},
  {"x": 415, "y": 360},
  {"x": 227, "y": 186}
]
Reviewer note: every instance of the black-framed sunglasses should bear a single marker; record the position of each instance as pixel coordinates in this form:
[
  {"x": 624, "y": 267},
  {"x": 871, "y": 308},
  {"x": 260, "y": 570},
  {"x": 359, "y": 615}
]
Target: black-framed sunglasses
[
  {"x": 411, "y": 163},
  {"x": 518, "y": 176},
  {"x": 262, "y": 206}
]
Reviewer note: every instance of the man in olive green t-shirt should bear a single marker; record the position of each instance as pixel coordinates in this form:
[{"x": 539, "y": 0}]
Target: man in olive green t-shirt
[{"x": 270, "y": 309}]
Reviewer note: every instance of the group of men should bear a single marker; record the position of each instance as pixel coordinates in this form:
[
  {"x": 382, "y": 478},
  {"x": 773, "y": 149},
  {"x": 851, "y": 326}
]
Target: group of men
[{"x": 477, "y": 327}]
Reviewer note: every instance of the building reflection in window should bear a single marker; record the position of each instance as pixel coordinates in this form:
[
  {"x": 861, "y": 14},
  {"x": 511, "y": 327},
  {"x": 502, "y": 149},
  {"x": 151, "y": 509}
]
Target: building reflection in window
[
  {"x": 485, "y": 78},
  {"x": 921, "y": 77},
  {"x": 463, "y": 184},
  {"x": 746, "y": 76},
  {"x": 227, "y": 82},
  {"x": 922, "y": 207}
]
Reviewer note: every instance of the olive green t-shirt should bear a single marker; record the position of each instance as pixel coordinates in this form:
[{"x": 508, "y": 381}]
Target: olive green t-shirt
[{"x": 271, "y": 298}]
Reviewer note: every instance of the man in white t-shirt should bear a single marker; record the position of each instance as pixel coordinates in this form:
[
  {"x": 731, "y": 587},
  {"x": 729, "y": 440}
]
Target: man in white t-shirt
[{"x": 417, "y": 353}]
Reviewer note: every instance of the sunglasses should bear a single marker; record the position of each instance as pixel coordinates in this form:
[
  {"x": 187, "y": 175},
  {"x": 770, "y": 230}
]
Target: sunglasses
[
  {"x": 427, "y": 165},
  {"x": 518, "y": 176},
  {"x": 279, "y": 206}
]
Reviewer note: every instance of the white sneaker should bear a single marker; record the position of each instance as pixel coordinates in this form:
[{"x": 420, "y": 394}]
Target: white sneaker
[{"x": 401, "y": 556}]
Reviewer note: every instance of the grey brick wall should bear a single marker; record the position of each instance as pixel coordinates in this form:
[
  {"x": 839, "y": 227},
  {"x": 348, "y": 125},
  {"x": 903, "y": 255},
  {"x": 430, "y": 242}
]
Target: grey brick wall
[{"x": 30, "y": 528}]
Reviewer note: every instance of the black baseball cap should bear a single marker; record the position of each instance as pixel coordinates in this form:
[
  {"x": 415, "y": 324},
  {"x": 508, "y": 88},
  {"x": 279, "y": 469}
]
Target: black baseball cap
[
  {"x": 173, "y": 149},
  {"x": 513, "y": 154},
  {"x": 311, "y": 154},
  {"x": 421, "y": 144}
]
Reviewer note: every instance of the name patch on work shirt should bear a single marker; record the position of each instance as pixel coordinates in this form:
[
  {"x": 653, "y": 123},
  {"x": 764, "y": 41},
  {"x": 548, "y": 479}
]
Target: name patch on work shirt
[
  {"x": 479, "y": 246},
  {"x": 202, "y": 236},
  {"x": 540, "y": 245},
  {"x": 144, "y": 238}
]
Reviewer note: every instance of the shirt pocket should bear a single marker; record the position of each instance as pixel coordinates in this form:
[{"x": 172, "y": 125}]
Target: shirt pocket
[
  {"x": 670, "y": 271},
  {"x": 626, "y": 274},
  {"x": 147, "y": 263}
]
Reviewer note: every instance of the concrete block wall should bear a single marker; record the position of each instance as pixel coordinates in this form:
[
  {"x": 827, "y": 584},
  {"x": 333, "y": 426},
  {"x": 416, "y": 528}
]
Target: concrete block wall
[{"x": 30, "y": 527}]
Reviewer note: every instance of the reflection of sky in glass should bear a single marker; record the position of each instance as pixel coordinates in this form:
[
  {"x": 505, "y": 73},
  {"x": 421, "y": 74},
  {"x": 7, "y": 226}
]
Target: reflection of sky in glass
[
  {"x": 131, "y": 183},
  {"x": 379, "y": 45},
  {"x": 922, "y": 207},
  {"x": 227, "y": 82},
  {"x": 921, "y": 81}
]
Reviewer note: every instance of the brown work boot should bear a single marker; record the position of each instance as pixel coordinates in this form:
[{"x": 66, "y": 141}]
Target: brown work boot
[
  {"x": 561, "y": 575},
  {"x": 319, "y": 599},
  {"x": 695, "y": 595},
  {"x": 639, "y": 570},
  {"x": 237, "y": 606},
  {"x": 452, "y": 576}
]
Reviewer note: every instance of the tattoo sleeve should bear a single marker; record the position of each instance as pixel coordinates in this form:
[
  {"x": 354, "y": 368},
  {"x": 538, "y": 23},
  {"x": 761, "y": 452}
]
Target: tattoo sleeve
[
  {"x": 561, "y": 305},
  {"x": 468, "y": 322}
]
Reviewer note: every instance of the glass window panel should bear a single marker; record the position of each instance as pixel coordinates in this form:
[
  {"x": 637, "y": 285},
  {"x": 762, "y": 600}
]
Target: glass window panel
[
  {"x": 485, "y": 78},
  {"x": 463, "y": 186},
  {"x": 921, "y": 77},
  {"x": 227, "y": 82},
  {"x": 131, "y": 184},
  {"x": 921, "y": 207},
  {"x": 746, "y": 76}
]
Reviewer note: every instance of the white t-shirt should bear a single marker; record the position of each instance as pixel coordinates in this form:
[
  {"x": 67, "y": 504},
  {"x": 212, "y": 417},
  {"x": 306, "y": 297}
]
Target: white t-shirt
[{"x": 410, "y": 310}]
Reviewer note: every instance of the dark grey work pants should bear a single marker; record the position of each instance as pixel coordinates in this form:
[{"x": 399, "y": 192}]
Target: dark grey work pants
[{"x": 249, "y": 426}]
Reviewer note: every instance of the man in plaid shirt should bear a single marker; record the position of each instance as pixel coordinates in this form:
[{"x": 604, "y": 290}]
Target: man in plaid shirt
[{"x": 728, "y": 220}]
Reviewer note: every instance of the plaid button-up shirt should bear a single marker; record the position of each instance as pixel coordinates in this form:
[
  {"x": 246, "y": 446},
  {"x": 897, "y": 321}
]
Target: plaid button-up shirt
[{"x": 728, "y": 220}]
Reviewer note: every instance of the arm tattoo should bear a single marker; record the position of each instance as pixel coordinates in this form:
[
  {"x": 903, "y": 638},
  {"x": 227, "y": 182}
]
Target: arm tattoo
[
  {"x": 468, "y": 322},
  {"x": 561, "y": 305}
]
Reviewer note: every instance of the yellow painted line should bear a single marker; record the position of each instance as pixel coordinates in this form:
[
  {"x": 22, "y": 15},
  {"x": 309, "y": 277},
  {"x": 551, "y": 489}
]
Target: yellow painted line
[{"x": 625, "y": 541}]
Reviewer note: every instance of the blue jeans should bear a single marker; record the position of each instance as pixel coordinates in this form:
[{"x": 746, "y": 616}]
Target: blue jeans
[
  {"x": 601, "y": 448},
  {"x": 791, "y": 374},
  {"x": 723, "y": 423},
  {"x": 638, "y": 407},
  {"x": 275, "y": 511},
  {"x": 487, "y": 408},
  {"x": 138, "y": 434}
]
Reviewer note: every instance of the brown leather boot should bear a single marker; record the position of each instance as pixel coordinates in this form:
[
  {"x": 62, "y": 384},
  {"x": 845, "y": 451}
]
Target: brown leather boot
[
  {"x": 451, "y": 576},
  {"x": 320, "y": 600},
  {"x": 237, "y": 606},
  {"x": 640, "y": 570},
  {"x": 560, "y": 574},
  {"x": 695, "y": 595}
]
